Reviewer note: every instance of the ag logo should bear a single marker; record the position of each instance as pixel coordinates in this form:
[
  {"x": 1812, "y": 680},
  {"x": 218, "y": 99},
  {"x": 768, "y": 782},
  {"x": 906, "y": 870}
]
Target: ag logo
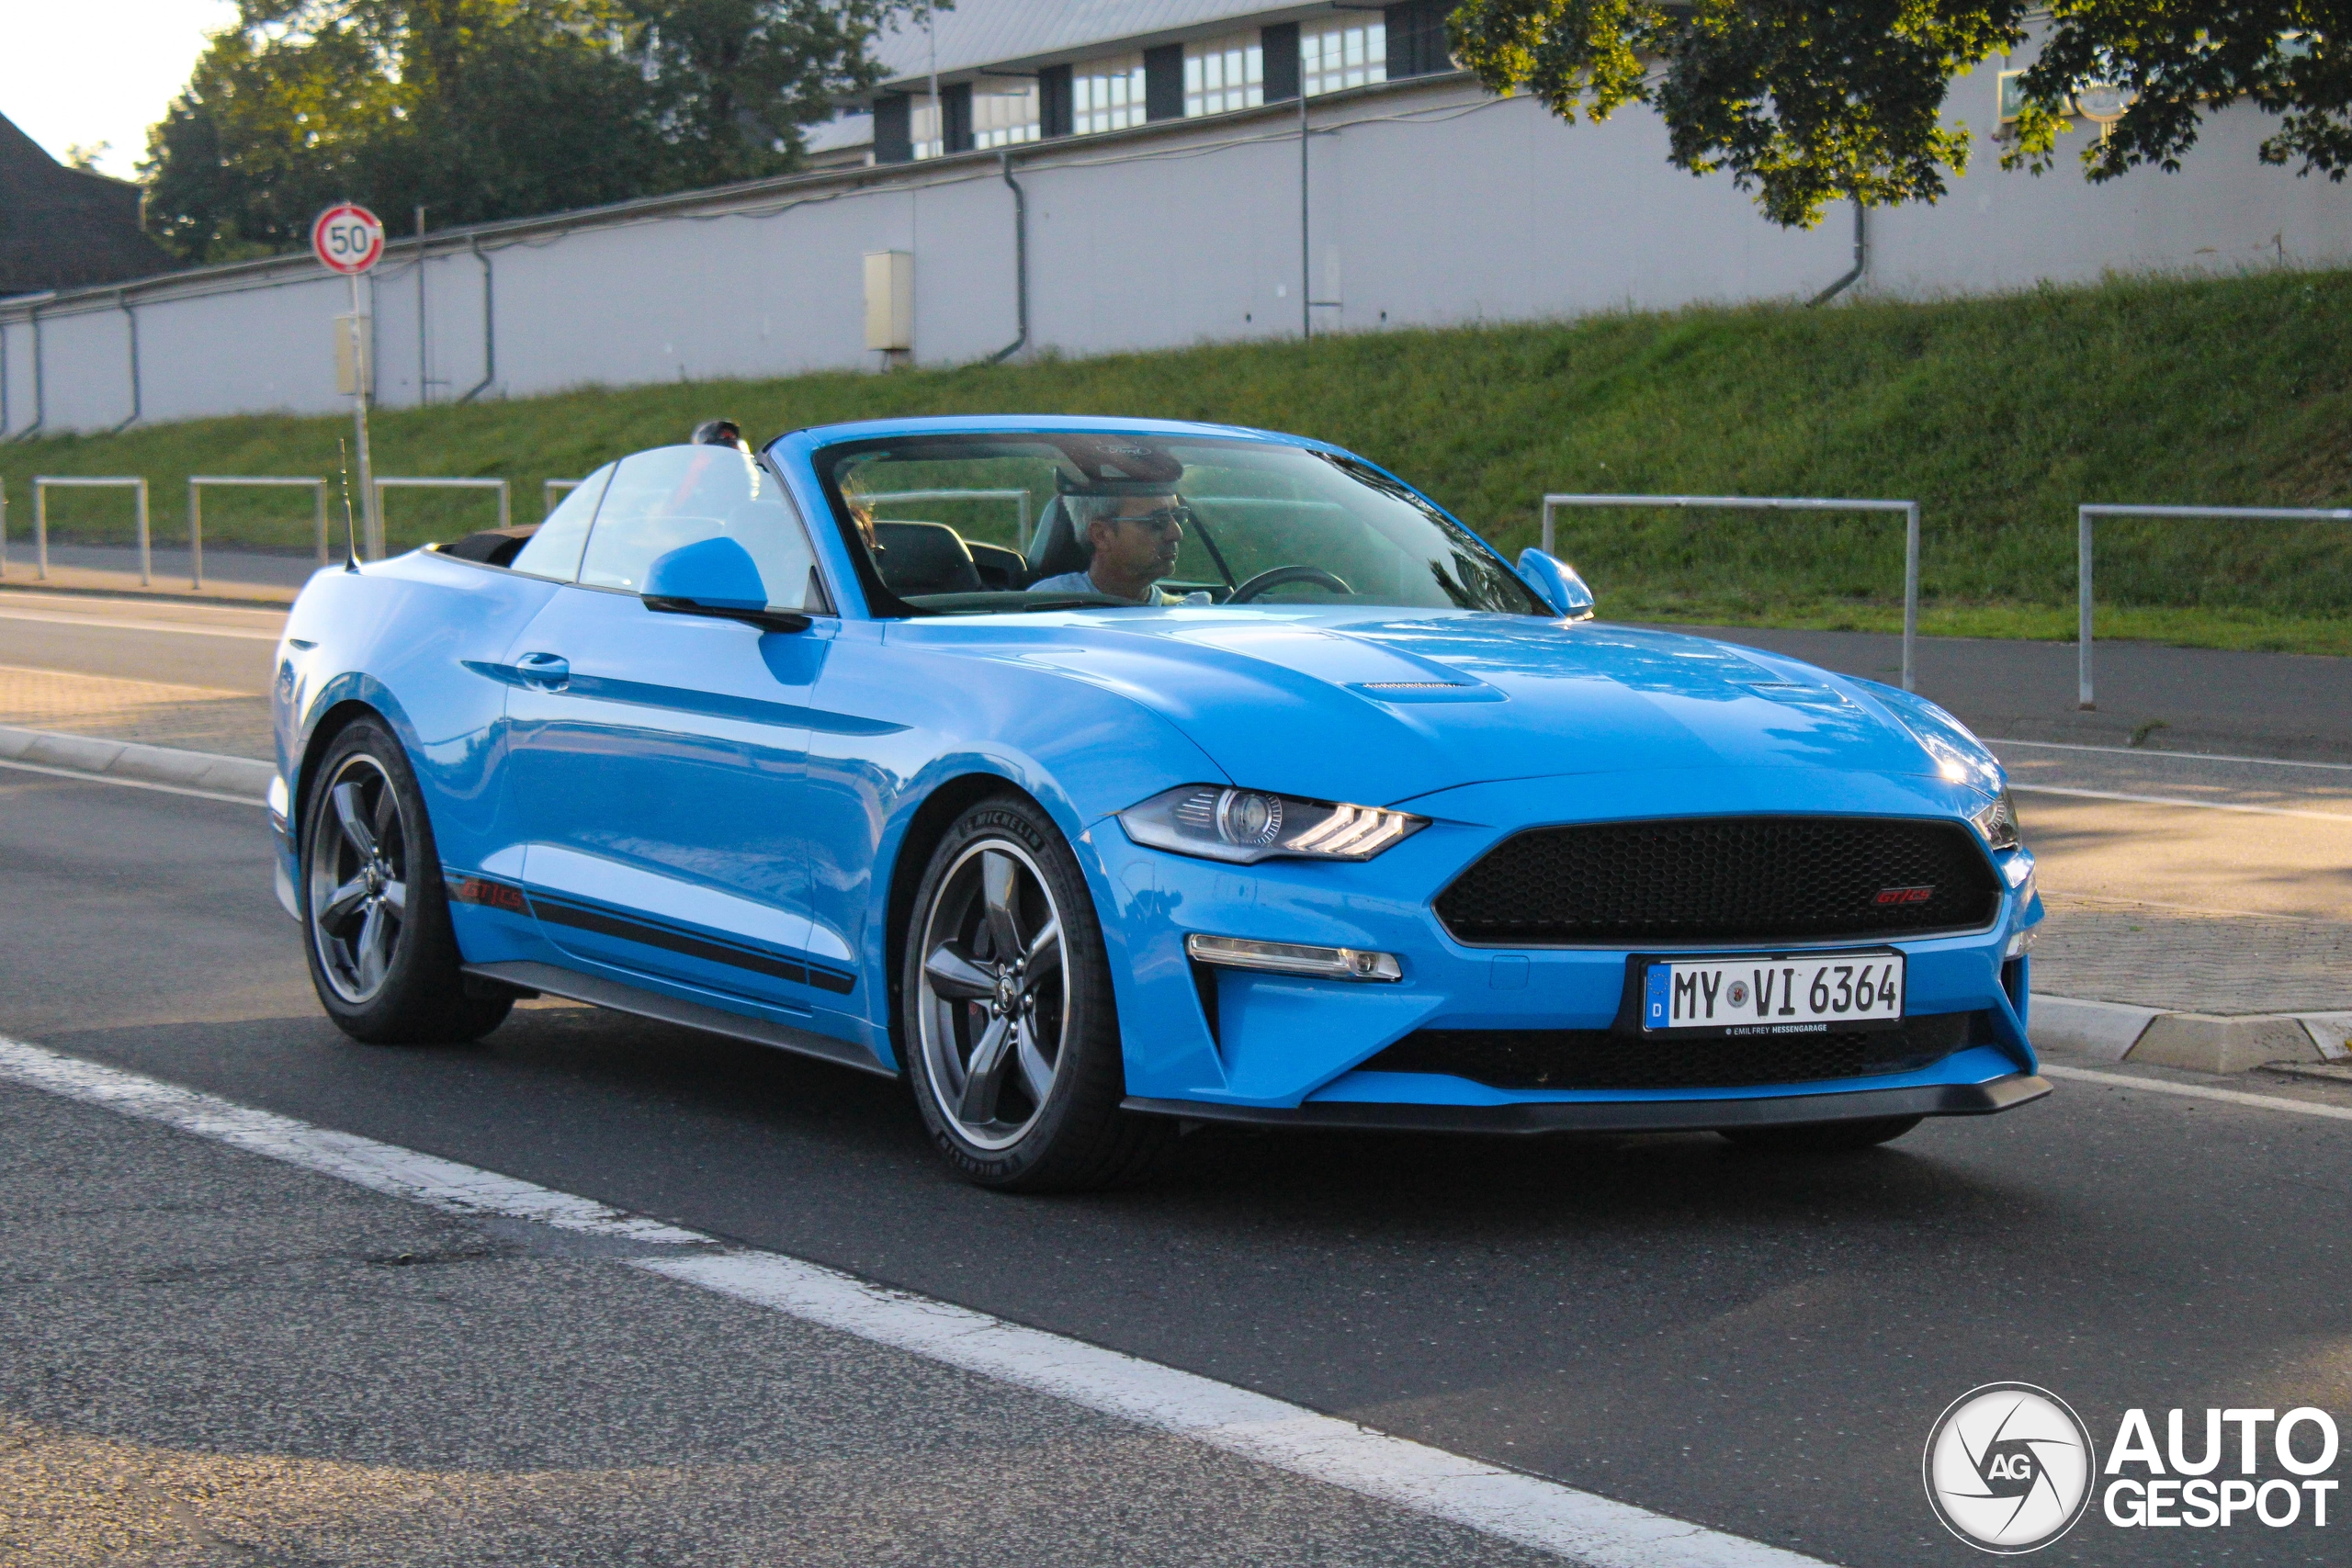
[{"x": 2009, "y": 1468}]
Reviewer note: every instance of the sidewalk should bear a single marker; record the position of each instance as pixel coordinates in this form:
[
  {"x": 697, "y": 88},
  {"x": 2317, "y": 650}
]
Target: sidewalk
[
  {"x": 194, "y": 718},
  {"x": 231, "y": 576}
]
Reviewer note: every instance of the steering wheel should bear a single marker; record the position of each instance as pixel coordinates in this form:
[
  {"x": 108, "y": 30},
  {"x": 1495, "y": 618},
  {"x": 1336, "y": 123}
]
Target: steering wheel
[{"x": 1281, "y": 574}]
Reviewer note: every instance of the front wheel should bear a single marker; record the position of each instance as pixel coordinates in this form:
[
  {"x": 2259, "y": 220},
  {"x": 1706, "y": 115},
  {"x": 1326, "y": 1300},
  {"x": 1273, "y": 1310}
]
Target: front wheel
[
  {"x": 374, "y": 915},
  {"x": 1820, "y": 1137},
  {"x": 1008, "y": 1026}
]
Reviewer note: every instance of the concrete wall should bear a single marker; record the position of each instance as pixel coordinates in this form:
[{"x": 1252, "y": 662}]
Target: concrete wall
[{"x": 1431, "y": 205}]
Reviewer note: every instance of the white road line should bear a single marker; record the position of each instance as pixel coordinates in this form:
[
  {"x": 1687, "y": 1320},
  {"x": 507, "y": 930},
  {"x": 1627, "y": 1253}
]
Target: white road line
[
  {"x": 1506, "y": 1503},
  {"x": 2198, "y": 1091},
  {"x": 2342, "y": 816},
  {"x": 110, "y": 623},
  {"x": 79, "y": 776},
  {"x": 2173, "y": 756}
]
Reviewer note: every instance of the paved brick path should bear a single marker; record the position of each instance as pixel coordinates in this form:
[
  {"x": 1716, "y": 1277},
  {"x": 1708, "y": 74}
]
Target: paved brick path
[
  {"x": 194, "y": 718},
  {"x": 2193, "y": 960}
]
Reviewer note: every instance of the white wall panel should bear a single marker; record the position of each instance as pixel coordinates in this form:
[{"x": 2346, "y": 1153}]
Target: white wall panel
[{"x": 1431, "y": 206}]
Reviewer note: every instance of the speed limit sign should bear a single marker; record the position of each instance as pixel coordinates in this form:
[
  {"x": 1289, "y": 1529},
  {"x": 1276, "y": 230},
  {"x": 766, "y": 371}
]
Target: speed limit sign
[{"x": 347, "y": 237}]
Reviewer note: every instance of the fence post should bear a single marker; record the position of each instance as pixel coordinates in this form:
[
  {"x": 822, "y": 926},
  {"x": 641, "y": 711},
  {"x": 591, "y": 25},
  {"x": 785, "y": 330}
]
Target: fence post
[
  {"x": 40, "y": 530},
  {"x": 2083, "y": 609},
  {"x": 321, "y": 496},
  {"x": 1910, "y": 589},
  {"x": 3, "y": 527},
  {"x": 195, "y": 534}
]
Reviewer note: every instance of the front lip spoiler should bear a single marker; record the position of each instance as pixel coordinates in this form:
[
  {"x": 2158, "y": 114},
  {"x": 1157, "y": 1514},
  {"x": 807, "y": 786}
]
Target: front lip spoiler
[{"x": 1623, "y": 1115}]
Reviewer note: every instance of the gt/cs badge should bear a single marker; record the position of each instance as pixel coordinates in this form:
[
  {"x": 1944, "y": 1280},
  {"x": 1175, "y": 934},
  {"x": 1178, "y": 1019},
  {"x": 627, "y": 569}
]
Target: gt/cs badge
[{"x": 1905, "y": 894}]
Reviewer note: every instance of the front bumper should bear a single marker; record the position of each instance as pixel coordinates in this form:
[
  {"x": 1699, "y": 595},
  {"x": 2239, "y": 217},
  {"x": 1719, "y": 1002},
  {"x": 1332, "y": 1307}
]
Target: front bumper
[{"x": 1782, "y": 1109}]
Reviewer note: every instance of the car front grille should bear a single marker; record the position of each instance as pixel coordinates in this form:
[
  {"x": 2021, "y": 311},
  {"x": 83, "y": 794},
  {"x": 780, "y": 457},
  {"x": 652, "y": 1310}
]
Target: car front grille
[
  {"x": 1723, "y": 879},
  {"x": 1597, "y": 1058}
]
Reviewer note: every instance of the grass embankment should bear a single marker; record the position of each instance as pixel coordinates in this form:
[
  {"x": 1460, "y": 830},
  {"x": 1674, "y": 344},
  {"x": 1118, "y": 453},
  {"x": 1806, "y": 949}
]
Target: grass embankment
[{"x": 1998, "y": 414}]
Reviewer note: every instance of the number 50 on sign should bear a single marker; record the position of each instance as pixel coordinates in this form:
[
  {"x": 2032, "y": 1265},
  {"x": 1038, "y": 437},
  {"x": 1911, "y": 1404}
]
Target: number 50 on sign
[{"x": 347, "y": 237}]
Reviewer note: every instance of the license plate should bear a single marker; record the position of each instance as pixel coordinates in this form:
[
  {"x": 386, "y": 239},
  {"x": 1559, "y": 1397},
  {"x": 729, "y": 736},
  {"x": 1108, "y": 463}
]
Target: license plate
[{"x": 1786, "y": 994}]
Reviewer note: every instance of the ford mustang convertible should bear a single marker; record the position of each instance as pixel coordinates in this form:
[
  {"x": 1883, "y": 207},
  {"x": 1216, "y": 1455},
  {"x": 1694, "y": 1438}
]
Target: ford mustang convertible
[{"x": 1104, "y": 777}]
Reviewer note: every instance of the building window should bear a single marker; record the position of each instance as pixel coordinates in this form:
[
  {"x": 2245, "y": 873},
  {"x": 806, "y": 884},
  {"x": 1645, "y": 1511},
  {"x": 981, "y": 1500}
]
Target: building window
[
  {"x": 923, "y": 129},
  {"x": 1332, "y": 58},
  {"x": 1222, "y": 74},
  {"x": 1107, "y": 94},
  {"x": 1003, "y": 114}
]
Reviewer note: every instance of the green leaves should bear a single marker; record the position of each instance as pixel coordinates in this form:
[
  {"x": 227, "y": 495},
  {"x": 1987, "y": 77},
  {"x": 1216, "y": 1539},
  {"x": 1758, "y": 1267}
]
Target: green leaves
[
  {"x": 1807, "y": 102},
  {"x": 481, "y": 109}
]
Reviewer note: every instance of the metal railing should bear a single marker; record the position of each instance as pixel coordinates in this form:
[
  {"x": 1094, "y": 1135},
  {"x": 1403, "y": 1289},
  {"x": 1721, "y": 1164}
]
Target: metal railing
[
  {"x": 2083, "y": 518},
  {"x": 1020, "y": 498},
  {"x": 383, "y": 483},
  {"x": 44, "y": 483},
  {"x": 1910, "y": 509},
  {"x": 196, "y": 484},
  {"x": 550, "y": 489}
]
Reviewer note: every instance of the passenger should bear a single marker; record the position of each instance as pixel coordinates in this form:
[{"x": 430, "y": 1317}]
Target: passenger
[
  {"x": 718, "y": 433},
  {"x": 1130, "y": 543}
]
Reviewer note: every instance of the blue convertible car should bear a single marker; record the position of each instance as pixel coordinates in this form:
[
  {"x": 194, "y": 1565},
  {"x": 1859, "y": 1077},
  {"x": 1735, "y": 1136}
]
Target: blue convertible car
[{"x": 1103, "y": 776}]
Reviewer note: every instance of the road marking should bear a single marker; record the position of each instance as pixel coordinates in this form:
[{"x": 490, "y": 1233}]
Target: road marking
[
  {"x": 79, "y": 776},
  {"x": 110, "y": 623},
  {"x": 2174, "y": 756},
  {"x": 1507, "y": 1504},
  {"x": 2344, "y": 816},
  {"x": 2198, "y": 1091}
]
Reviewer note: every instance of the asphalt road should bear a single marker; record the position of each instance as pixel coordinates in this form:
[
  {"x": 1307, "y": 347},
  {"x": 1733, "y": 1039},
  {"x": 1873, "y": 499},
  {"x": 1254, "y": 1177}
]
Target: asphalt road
[{"x": 1754, "y": 1345}]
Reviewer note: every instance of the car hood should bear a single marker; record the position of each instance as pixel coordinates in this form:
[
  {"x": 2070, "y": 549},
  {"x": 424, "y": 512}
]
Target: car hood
[{"x": 1340, "y": 706}]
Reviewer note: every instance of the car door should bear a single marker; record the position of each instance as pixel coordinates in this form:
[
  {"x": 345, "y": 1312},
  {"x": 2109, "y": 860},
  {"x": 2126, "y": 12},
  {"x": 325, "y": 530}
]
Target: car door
[{"x": 658, "y": 761}]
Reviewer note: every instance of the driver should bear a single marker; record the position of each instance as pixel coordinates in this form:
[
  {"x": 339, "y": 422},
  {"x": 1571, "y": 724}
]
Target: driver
[{"x": 1130, "y": 543}]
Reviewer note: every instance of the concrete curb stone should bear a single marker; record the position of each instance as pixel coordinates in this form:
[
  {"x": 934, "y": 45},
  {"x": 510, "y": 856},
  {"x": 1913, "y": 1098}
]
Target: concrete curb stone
[
  {"x": 2210, "y": 1043},
  {"x": 240, "y": 776}
]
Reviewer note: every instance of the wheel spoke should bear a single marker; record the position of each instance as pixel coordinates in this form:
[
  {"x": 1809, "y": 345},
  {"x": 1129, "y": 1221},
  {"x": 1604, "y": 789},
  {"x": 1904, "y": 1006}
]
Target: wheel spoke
[
  {"x": 395, "y": 894},
  {"x": 1044, "y": 957},
  {"x": 1037, "y": 1073},
  {"x": 1000, "y": 884},
  {"x": 353, "y": 815},
  {"x": 955, "y": 976},
  {"x": 371, "y": 949},
  {"x": 343, "y": 901},
  {"x": 984, "y": 1075},
  {"x": 387, "y": 824}
]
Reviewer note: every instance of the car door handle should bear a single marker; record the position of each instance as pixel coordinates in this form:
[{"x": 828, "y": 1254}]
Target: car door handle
[{"x": 544, "y": 672}]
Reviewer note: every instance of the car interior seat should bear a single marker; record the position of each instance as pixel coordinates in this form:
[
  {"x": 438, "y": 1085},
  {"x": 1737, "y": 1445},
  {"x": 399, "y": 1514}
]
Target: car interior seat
[
  {"x": 1053, "y": 548},
  {"x": 999, "y": 568},
  {"x": 924, "y": 558}
]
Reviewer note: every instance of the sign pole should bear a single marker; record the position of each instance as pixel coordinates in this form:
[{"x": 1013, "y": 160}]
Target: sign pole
[
  {"x": 348, "y": 239},
  {"x": 372, "y": 523}
]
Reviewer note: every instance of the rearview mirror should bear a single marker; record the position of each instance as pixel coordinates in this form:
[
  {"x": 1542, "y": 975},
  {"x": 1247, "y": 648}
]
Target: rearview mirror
[
  {"x": 717, "y": 577},
  {"x": 1557, "y": 583}
]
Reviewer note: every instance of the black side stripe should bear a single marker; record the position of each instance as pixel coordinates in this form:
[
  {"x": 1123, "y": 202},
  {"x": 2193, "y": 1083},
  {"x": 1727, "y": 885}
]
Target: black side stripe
[{"x": 603, "y": 922}]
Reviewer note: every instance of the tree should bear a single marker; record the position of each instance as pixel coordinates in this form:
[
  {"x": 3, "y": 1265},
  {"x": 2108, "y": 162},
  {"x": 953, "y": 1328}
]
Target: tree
[
  {"x": 1809, "y": 101},
  {"x": 483, "y": 109}
]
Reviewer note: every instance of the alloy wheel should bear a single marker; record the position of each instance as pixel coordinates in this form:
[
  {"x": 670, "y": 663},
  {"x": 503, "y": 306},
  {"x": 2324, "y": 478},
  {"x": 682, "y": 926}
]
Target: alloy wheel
[
  {"x": 994, "y": 994},
  {"x": 359, "y": 880}
]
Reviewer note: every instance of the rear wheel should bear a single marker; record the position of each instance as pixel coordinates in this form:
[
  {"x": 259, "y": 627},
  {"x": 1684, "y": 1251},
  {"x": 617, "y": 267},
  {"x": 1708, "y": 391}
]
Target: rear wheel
[
  {"x": 374, "y": 915},
  {"x": 1820, "y": 1137},
  {"x": 1008, "y": 1025}
]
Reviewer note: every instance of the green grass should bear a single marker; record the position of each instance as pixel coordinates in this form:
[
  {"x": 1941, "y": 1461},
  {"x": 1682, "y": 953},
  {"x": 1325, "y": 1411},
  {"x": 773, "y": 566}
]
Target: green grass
[{"x": 1997, "y": 414}]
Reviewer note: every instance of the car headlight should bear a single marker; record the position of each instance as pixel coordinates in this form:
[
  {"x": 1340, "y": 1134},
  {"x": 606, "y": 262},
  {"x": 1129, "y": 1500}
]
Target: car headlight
[
  {"x": 1999, "y": 823},
  {"x": 1247, "y": 825}
]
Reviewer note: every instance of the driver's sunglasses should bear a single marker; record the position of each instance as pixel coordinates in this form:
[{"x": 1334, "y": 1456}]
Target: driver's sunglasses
[{"x": 1161, "y": 517}]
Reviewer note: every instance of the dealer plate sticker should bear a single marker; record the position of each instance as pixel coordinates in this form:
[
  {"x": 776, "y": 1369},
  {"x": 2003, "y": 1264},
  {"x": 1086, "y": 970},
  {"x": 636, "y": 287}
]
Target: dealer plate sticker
[{"x": 1784, "y": 995}]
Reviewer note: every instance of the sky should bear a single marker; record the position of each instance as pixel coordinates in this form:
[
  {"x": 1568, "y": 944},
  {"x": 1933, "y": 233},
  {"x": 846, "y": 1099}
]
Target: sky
[{"x": 65, "y": 81}]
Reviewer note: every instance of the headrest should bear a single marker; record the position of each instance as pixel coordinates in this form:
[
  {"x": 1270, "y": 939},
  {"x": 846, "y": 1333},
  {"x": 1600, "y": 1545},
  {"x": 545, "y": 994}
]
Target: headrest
[{"x": 924, "y": 558}]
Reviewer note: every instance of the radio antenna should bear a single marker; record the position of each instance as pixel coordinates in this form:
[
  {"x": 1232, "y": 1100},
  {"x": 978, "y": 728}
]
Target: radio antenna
[{"x": 350, "y": 528}]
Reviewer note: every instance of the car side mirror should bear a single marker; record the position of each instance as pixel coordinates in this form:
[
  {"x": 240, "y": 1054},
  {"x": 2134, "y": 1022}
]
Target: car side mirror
[
  {"x": 1557, "y": 583},
  {"x": 717, "y": 577}
]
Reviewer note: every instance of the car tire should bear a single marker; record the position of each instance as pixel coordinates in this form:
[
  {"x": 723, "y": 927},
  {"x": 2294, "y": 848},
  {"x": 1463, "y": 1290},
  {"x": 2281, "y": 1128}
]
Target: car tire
[
  {"x": 1820, "y": 1137},
  {"x": 375, "y": 913},
  {"x": 1006, "y": 1018}
]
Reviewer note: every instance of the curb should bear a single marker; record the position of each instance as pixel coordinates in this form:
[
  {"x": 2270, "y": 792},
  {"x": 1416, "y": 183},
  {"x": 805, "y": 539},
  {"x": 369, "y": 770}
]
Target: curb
[
  {"x": 154, "y": 595},
  {"x": 2200, "y": 1042},
  {"x": 240, "y": 776}
]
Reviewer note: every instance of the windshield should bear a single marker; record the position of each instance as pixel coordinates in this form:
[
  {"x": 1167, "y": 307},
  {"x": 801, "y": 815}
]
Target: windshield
[{"x": 989, "y": 523}]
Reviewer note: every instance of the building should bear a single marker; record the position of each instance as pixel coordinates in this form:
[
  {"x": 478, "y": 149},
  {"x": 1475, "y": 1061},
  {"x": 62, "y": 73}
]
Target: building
[
  {"x": 64, "y": 228},
  {"x": 1088, "y": 176}
]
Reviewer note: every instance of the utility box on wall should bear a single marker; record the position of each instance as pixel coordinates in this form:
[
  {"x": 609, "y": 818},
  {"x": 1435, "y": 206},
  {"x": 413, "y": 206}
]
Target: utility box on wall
[
  {"x": 891, "y": 301},
  {"x": 353, "y": 369}
]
